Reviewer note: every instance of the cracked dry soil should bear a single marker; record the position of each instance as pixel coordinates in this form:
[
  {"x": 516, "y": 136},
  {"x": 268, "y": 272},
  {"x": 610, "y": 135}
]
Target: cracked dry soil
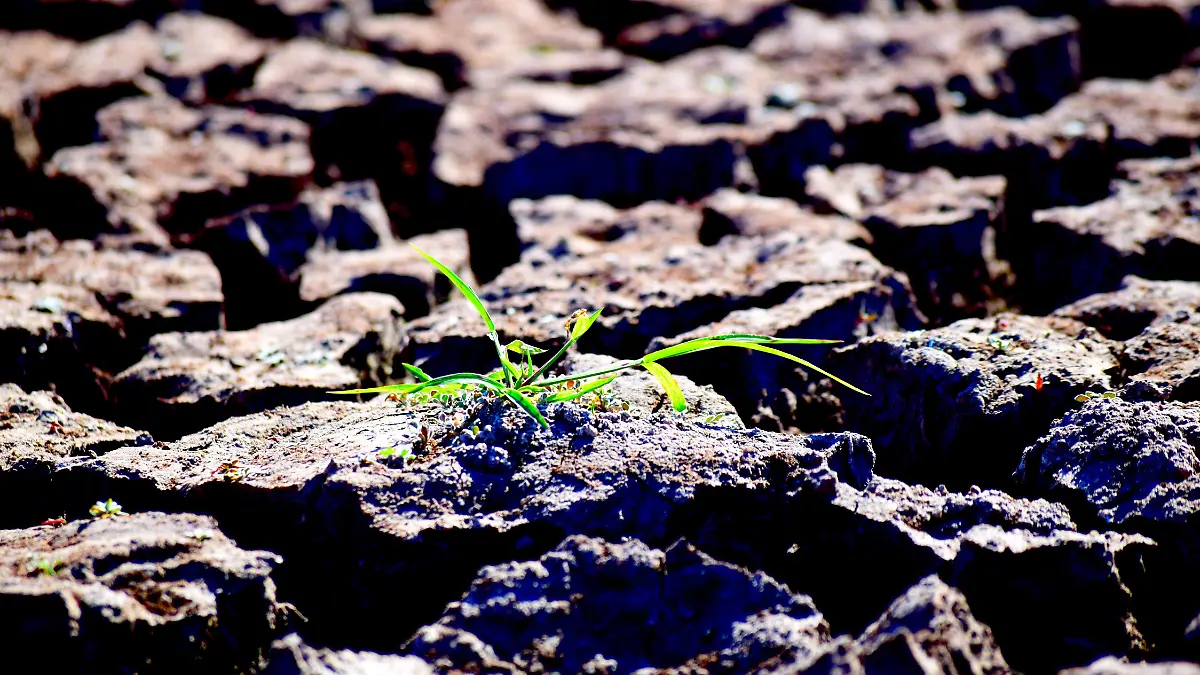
[{"x": 204, "y": 206}]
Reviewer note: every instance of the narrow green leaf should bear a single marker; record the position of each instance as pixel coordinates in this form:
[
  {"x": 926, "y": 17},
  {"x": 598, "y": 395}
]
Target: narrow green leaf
[
  {"x": 669, "y": 385},
  {"x": 462, "y": 287},
  {"x": 584, "y": 323},
  {"x": 687, "y": 347},
  {"x": 528, "y": 405},
  {"x": 767, "y": 339},
  {"x": 770, "y": 350},
  {"x": 623, "y": 365},
  {"x": 511, "y": 369},
  {"x": 449, "y": 382},
  {"x": 459, "y": 379},
  {"x": 700, "y": 344},
  {"x": 387, "y": 389},
  {"x": 416, "y": 372},
  {"x": 502, "y": 356},
  {"x": 573, "y": 394},
  {"x": 519, "y": 347},
  {"x": 550, "y": 363}
]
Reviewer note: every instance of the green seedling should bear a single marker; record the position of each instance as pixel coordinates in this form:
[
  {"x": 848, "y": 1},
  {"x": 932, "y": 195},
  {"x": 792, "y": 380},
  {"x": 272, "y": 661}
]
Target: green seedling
[
  {"x": 529, "y": 387},
  {"x": 231, "y": 471},
  {"x": 106, "y": 509},
  {"x": 45, "y": 566},
  {"x": 1000, "y": 344},
  {"x": 199, "y": 534},
  {"x": 392, "y": 452},
  {"x": 1087, "y": 396}
]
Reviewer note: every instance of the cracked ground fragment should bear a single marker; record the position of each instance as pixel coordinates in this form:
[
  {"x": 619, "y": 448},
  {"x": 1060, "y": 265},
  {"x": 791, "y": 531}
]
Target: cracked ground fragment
[
  {"x": 188, "y": 381},
  {"x": 956, "y": 405},
  {"x": 1146, "y": 227},
  {"x": 164, "y": 170},
  {"x": 120, "y": 592},
  {"x": 685, "y": 128},
  {"x": 483, "y": 43},
  {"x": 680, "y": 608}
]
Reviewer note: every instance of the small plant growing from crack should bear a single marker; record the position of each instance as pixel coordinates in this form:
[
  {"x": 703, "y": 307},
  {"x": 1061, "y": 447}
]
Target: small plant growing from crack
[
  {"x": 528, "y": 387},
  {"x": 391, "y": 452},
  {"x": 231, "y": 471},
  {"x": 714, "y": 418},
  {"x": 1089, "y": 395},
  {"x": 45, "y": 566},
  {"x": 106, "y": 509}
]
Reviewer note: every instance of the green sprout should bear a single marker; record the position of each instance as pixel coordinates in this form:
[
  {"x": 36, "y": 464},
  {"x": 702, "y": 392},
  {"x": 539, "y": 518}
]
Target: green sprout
[
  {"x": 522, "y": 383},
  {"x": 106, "y": 509},
  {"x": 231, "y": 471},
  {"x": 1087, "y": 396},
  {"x": 45, "y": 566},
  {"x": 999, "y": 344},
  {"x": 392, "y": 452}
]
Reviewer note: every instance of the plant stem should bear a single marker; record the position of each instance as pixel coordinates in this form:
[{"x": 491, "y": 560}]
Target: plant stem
[
  {"x": 558, "y": 356},
  {"x": 594, "y": 373},
  {"x": 500, "y": 355}
]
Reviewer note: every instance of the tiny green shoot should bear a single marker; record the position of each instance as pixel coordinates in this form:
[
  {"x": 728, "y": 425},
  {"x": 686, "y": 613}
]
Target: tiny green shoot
[
  {"x": 392, "y": 452},
  {"x": 106, "y": 509},
  {"x": 1087, "y": 396},
  {"x": 45, "y": 566},
  {"x": 528, "y": 387},
  {"x": 1000, "y": 344}
]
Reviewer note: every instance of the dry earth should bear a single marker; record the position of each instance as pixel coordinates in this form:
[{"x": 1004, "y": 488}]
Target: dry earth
[{"x": 995, "y": 205}]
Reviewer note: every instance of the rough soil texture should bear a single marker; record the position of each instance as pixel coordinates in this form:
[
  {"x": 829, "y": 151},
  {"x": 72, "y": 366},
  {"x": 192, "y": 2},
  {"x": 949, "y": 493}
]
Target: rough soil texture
[
  {"x": 1146, "y": 228},
  {"x": 291, "y": 656},
  {"x": 164, "y": 169},
  {"x": 39, "y": 428},
  {"x": 485, "y": 42},
  {"x": 1131, "y": 464},
  {"x": 187, "y": 381},
  {"x": 148, "y": 292},
  {"x": 955, "y": 405},
  {"x": 206, "y": 208},
  {"x": 129, "y": 593},
  {"x": 1136, "y": 305},
  {"x": 938, "y": 229},
  {"x": 930, "y": 628},
  {"x": 556, "y": 613}
]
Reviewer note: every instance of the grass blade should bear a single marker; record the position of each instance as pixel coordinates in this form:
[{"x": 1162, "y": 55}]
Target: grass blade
[
  {"x": 669, "y": 385},
  {"x": 386, "y": 389},
  {"x": 459, "y": 379},
  {"x": 583, "y": 324},
  {"x": 687, "y": 347},
  {"x": 449, "y": 381},
  {"x": 462, "y": 288},
  {"x": 528, "y": 405},
  {"x": 767, "y": 339},
  {"x": 623, "y": 365},
  {"x": 549, "y": 364},
  {"x": 510, "y": 370},
  {"x": 770, "y": 350},
  {"x": 700, "y": 344},
  {"x": 417, "y": 372},
  {"x": 573, "y": 394}
]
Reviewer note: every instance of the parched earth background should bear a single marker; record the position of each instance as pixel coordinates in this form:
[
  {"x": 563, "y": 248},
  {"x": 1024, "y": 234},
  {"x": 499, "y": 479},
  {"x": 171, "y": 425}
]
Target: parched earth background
[{"x": 204, "y": 206}]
